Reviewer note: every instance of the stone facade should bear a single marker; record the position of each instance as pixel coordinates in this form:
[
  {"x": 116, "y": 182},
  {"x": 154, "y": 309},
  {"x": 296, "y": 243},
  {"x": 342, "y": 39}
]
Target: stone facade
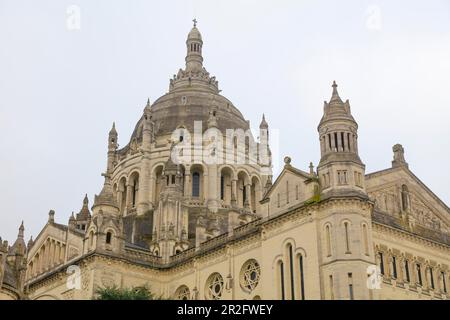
[{"x": 222, "y": 229}]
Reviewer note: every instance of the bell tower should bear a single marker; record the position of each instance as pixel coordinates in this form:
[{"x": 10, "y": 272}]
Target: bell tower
[
  {"x": 346, "y": 247},
  {"x": 341, "y": 171}
]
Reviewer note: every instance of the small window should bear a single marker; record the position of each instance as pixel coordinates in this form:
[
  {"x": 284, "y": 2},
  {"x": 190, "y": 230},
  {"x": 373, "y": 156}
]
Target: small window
[
  {"x": 394, "y": 267},
  {"x": 195, "y": 184},
  {"x": 380, "y": 255},
  {"x": 350, "y": 286},
  {"x": 407, "y": 271},
  {"x": 108, "y": 237},
  {"x": 419, "y": 275}
]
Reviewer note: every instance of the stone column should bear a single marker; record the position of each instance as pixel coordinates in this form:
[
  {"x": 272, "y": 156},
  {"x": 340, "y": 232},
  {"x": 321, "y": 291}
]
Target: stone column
[
  {"x": 128, "y": 200},
  {"x": 187, "y": 184},
  {"x": 233, "y": 192},
  {"x": 213, "y": 199},
  {"x": 248, "y": 200},
  {"x": 144, "y": 186}
]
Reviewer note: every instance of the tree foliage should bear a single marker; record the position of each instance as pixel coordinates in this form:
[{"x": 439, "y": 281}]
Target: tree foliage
[{"x": 134, "y": 293}]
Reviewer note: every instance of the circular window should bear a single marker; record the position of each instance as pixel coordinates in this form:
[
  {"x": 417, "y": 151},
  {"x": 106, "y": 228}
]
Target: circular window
[
  {"x": 214, "y": 287},
  {"x": 250, "y": 274},
  {"x": 182, "y": 293}
]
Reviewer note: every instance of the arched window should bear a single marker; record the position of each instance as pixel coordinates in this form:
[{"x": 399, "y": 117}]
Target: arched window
[
  {"x": 287, "y": 191},
  {"x": 407, "y": 271},
  {"x": 91, "y": 239},
  {"x": 365, "y": 239},
  {"x": 328, "y": 240},
  {"x": 430, "y": 270},
  {"x": 380, "y": 256},
  {"x": 222, "y": 187},
  {"x": 302, "y": 279},
  {"x": 291, "y": 271},
  {"x": 347, "y": 239},
  {"x": 196, "y": 184},
  {"x": 281, "y": 279},
  {"x": 182, "y": 293},
  {"x": 405, "y": 197},
  {"x": 108, "y": 237},
  {"x": 444, "y": 284},
  {"x": 394, "y": 267},
  {"x": 419, "y": 274}
]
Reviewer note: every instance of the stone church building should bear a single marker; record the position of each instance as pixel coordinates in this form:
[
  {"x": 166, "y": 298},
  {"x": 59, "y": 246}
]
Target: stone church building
[{"x": 189, "y": 207}]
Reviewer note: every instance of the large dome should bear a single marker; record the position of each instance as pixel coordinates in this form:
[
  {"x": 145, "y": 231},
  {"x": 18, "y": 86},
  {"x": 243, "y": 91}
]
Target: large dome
[{"x": 193, "y": 95}]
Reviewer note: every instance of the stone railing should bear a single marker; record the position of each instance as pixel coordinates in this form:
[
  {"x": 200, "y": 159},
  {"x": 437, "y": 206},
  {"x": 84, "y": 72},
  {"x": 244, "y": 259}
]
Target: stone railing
[
  {"x": 194, "y": 202},
  {"x": 142, "y": 255},
  {"x": 396, "y": 222}
]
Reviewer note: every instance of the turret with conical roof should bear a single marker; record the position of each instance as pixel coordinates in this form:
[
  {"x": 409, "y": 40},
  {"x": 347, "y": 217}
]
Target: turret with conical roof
[{"x": 340, "y": 167}]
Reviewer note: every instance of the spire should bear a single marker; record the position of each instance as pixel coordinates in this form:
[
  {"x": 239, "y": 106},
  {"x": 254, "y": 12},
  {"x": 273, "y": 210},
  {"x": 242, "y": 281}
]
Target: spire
[
  {"x": 113, "y": 130},
  {"x": 21, "y": 230},
  {"x": 335, "y": 96},
  {"x": 263, "y": 124},
  {"x": 84, "y": 213},
  {"x": 106, "y": 197}
]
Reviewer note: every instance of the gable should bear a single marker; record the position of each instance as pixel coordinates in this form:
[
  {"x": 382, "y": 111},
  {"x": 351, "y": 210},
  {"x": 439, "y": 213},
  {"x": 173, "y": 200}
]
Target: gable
[
  {"x": 291, "y": 187},
  {"x": 389, "y": 189}
]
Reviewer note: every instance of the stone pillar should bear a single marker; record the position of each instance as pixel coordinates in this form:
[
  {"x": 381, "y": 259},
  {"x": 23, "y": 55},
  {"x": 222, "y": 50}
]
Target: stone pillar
[
  {"x": 213, "y": 199},
  {"x": 187, "y": 184},
  {"x": 233, "y": 192},
  {"x": 340, "y": 142},
  {"x": 144, "y": 187},
  {"x": 248, "y": 199},
  {"x": 128, "y": 204},
  {"x": 204, "y": 187}
]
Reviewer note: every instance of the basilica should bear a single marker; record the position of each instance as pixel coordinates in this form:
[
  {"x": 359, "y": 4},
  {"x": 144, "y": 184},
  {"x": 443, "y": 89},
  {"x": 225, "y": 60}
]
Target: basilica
[{"x": 189, "y": 208}]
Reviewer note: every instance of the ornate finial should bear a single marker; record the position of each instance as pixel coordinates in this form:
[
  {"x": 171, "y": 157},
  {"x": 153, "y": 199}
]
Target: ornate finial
[
  {"x": 287, "y": 161},
  {"x": 148, "y": 102},
  {"x": 51, "y": 216},
  {"x": 311, "y": 168},
  {"x": 335, "y": 96},
  {"x": 85, "y": 200},
  {"x": 195, "y": 22}
]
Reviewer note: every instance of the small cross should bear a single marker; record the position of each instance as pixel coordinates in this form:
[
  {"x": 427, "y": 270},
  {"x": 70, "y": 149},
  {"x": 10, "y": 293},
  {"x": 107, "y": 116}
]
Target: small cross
[{"x": 195, "y": 22}]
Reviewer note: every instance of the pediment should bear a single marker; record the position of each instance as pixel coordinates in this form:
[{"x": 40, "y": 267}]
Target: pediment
[{"x": 423, "y": 208}]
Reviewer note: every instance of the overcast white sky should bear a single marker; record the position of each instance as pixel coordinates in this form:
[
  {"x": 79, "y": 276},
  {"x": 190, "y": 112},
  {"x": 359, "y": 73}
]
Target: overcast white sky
[{"x": 61, "y": 89}]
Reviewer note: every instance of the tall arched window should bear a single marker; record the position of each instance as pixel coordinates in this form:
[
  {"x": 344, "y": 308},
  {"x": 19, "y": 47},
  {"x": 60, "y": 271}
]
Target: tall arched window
[
  {"x": 302, "y": 279},
  {"x": 380, "y": 257},
  {"x": 196, "y": 184},
  {"x": 108, "y": 237},
  {"x": 222, "y": 187},
  {"x": 91, "y": 239},
  {"x": 328, "y": 240},
  {"x": 365, "y": 239},
  {"x": 405, "y": 197},
  {"x": 347, "y": 239},
  {"x": 407, "y": 270},
  {"x": 281, "y": 279},
  {"x": 291, "y": 270}
]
